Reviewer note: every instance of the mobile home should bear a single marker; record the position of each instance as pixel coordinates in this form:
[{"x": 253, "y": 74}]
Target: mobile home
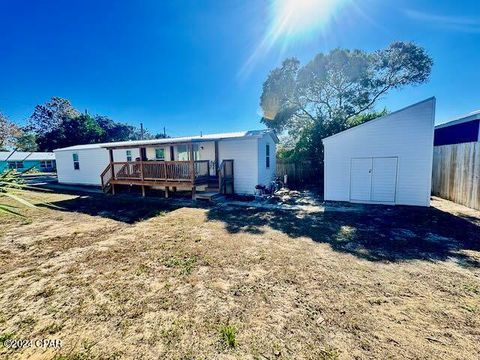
[{"x": 215, "y": 163}]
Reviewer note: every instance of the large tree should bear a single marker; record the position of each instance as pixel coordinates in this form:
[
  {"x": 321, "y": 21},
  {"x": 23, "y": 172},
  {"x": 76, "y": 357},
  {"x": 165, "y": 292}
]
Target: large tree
[
  {"x": 58, "y": 124},
  {"x": 26, "y": 141},
  {"x": 335, "y": 91},
  {"x": 115, "y": 131},
  {"x": 49, "y": 116},
  {"x": 8, "y": 132},
  {"x": 82, "y": 129}
]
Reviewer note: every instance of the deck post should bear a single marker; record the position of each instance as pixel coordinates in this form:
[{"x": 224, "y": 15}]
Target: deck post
[
  {"x": 141, "y": 171},
  {"x": 192, "y": 172},
  {"x": 112, "y": 170},
  {"x": 216, "y": 158},
  {"x": 110, "y": 154},
  {"x": 192, "y": 165},
  {"x": 166, "y": 192},
  {"x": 233, "y": 180}
]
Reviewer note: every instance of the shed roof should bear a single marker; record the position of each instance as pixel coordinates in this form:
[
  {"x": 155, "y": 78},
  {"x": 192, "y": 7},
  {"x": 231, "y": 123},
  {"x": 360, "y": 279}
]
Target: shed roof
[
  {"x": 25, "y": 155},
  {"x": 371, "y": 122},
  {"x": 184, "y": 139}
]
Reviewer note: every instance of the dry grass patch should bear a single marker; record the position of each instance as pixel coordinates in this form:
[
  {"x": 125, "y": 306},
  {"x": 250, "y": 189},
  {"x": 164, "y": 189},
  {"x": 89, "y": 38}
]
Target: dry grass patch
[{"x": 121, "y": 279}]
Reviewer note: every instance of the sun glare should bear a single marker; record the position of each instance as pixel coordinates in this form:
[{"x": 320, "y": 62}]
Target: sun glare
[
  {"x": 294, "y": 18},
  {"x": 292, "y": 22}
]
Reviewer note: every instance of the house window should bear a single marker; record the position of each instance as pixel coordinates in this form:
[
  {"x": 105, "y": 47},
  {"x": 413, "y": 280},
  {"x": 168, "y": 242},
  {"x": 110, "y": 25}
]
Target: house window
[
  {"x": 184, "y": 153},
  {"x": 15, "y": 165},
  {"x": 76, "y": 162},
  {"x": 129, "y": 155},
  {"x": 267, "y": 156},
  {"x": 46, "y": 164},
  {"x": 160, "y": 154}
]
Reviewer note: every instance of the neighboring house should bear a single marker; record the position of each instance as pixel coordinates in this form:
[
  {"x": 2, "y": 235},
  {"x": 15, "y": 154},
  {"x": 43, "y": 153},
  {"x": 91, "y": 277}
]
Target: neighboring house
[
  {"x": 23, "y": 161},
  {"x": 226, "y": 163},
  {"x": 387, "y": 160},
  {"x": 460, "y": 130}
]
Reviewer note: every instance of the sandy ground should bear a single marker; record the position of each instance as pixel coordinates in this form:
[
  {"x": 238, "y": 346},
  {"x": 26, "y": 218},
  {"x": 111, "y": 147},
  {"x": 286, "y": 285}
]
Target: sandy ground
[{"x": 124, "y": 278}]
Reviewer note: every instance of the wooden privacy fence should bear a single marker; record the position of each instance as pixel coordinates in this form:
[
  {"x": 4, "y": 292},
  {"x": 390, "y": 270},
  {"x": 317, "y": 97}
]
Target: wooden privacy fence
[
  {"x": 300, "y": 172},
  {"x": 456, "y": 173}
]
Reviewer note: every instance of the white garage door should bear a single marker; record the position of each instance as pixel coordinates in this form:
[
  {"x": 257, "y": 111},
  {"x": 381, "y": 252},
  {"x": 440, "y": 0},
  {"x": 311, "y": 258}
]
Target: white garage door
[{"x": 373, "y": 179}]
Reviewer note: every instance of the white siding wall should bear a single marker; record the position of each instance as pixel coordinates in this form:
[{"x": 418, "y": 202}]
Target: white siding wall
[
  {"x": 407, "y": 134},
  {"x": 121, "y": 154},
  {"x": 244, "y": 153},
  {"x": 151, "y": 152},
  {"x": 92, "y": 163},
  {"x": 208, "y": 151},
  {"x": 266, "y": 175}
]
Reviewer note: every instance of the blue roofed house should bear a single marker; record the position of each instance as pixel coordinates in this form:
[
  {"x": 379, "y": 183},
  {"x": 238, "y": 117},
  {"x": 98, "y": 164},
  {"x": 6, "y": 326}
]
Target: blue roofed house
[
  {"x": 23, "y": 161},
  {"x": 463, "y": 129}
]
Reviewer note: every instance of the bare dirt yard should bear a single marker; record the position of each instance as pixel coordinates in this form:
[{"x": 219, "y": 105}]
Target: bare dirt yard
[{"x": 127, "y": 278}]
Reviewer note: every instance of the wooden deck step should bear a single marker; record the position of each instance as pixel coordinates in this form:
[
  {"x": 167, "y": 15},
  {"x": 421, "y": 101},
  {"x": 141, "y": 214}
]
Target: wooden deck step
[
  {"x": 207, "y": 195},
  {"x": 212, "y": 189}
]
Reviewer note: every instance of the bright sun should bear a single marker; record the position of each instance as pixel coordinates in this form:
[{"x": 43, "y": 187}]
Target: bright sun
[
  {"x": 292, "y": 21},
  {"x": 298, "y": 17}
]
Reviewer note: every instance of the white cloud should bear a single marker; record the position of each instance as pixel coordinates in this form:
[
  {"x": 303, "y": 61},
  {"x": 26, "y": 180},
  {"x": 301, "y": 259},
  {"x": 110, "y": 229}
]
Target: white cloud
[{"x": 459, "y": 23}]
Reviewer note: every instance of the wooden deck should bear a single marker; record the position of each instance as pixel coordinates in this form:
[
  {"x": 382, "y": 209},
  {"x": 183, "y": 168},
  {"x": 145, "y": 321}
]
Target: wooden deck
[
  {"x": 182, "y": 175},
  {"x": 211, "y": 176},
  {"x": 157, "y": 172}
]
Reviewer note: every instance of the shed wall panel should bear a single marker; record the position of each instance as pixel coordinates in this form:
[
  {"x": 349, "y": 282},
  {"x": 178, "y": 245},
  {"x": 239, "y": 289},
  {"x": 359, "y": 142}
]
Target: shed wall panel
[{"x": 406, "y": 134}]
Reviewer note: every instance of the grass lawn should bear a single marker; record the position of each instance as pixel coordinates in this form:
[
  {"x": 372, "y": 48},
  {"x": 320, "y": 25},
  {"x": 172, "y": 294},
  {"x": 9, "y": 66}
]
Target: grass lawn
[{"x": 119, "y": 277}]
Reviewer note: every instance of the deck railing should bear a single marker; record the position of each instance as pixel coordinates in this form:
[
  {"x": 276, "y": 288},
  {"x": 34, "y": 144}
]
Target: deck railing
[
  {"x": 169, "y": 171},
  {"x": 106, "y": 176}
]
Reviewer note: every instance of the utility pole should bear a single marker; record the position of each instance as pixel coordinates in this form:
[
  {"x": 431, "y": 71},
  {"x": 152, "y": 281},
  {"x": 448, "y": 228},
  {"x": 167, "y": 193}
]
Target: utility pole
[
  {"x": 164, "y": 132},
  {"x": 141, "y": 131}
]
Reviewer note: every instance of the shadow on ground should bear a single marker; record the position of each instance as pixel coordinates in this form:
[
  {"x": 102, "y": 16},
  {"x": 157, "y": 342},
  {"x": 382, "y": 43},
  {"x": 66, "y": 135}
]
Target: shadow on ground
[
  {"x": 376, "y": 233},
  {"x": 124, "y": 208}
]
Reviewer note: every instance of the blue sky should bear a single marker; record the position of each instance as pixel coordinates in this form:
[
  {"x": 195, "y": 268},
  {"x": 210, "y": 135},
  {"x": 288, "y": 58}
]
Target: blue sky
[{"x": 199, "y": 65}]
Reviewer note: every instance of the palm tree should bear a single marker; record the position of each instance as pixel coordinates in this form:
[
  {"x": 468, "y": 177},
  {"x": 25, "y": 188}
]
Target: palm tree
[{"x": 10, "y": 183}]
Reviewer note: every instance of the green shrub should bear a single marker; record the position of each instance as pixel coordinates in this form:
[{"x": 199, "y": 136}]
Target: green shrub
[{"x": 228, "y": 334}]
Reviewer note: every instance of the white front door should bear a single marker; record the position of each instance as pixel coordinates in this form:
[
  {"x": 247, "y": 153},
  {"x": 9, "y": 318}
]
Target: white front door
[
  {"x": 373, "y": 179},
  {"x": 384, "y": 179},
  {"x": 361, "y": 179}
]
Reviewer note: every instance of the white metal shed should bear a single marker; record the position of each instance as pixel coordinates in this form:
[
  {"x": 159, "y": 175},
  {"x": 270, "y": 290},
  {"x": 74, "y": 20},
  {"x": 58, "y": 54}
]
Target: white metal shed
[{"x": 384, "y": 161}]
